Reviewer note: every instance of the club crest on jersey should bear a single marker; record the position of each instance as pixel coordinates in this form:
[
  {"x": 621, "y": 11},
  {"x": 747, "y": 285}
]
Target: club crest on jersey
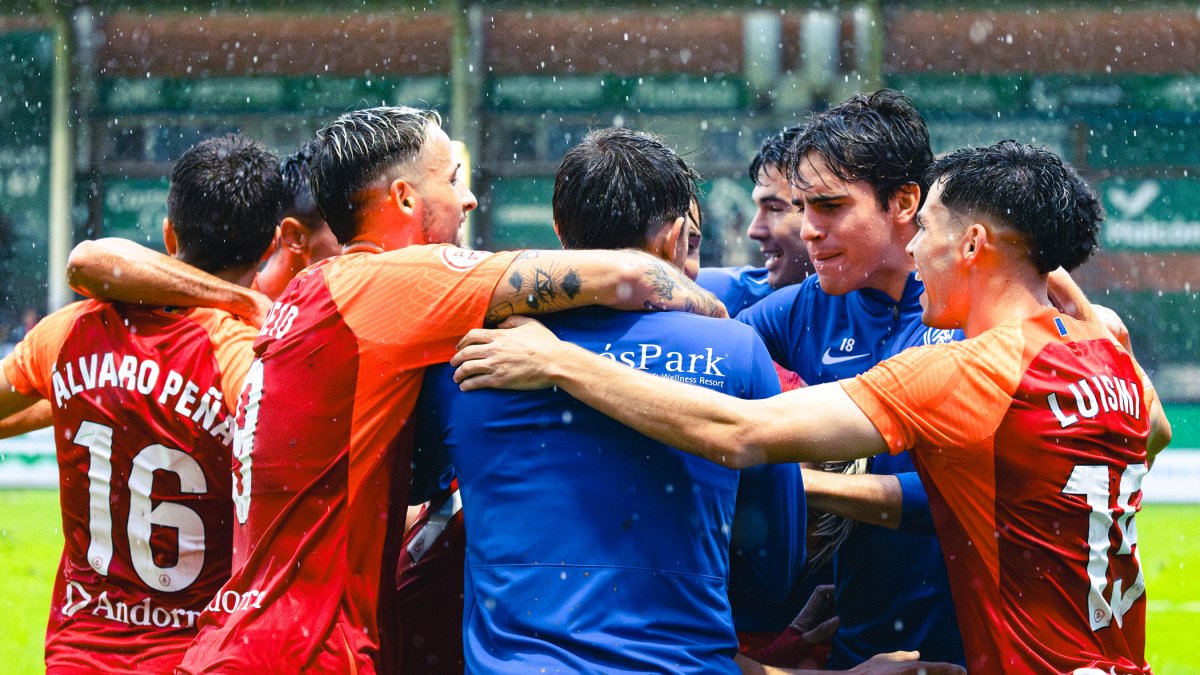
[
  {"x": 938, "y": 336},
  {"x": 461, "y": 259}
]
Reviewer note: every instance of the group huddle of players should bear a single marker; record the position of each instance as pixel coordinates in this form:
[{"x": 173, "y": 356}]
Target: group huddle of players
[{"x": 236, "y": 473}]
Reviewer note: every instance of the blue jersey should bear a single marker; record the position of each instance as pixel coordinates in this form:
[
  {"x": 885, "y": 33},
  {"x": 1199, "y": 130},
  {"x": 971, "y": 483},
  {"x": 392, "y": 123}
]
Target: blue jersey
[
  {"x": 891, "y": 586},
  {"x": 590, "y": 547},
  {"x": 736, "y": 287}
]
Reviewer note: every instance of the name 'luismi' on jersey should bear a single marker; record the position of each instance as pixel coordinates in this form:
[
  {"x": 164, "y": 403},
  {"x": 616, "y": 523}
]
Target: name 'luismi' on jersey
[{"x": 1112, "y": 394}]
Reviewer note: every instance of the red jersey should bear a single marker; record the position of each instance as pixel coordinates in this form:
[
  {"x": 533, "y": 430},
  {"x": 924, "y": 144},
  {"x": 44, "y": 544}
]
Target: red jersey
[
  {"x": 144, "y": 441},
  {"x": 429, "y": 591},
  {"x": 1031, "y": 441},
  {"x": 324, "y": 455}
]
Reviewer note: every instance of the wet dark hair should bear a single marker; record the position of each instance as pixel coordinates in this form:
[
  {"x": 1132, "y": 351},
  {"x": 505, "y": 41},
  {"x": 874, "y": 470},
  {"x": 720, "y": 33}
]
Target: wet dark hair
[
  {"x": 616, "y": 187},
  {"x": 1029, "y": 190},
  {"x": 354, "y": 150},
  {"x": 773, "y": 152},
  {"x": 224, "y": 202},
  {"x": 877, "y": 138},
  {"x": 298, "y": 198}
]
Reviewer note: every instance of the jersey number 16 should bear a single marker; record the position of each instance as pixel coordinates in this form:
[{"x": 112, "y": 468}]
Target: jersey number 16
[{"x": 143, "y": 515}]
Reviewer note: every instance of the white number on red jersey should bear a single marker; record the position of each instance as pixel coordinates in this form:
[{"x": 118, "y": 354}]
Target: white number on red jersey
[
  {"x": 243, "y": 438},
  {"x": 1092, "y": 482},
  {"x": 98, "y": 438}
]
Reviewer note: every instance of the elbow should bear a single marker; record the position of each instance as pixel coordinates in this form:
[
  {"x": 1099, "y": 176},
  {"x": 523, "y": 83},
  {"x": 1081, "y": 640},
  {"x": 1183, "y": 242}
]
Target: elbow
[
  {"x": 81, "y": 263},
  {"x": 739, "y": 452},
  {"x": 1160, "y": 437}
]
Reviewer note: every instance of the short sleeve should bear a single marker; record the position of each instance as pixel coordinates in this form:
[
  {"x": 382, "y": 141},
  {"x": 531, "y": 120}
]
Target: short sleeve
[
  {"x": 31, "y": 364},
  {"x": 415, "y": 303},
  {"x": 233, "y": 345},
  {"x": 915, "y": 516},
  {"x": 949, "y": 396}
]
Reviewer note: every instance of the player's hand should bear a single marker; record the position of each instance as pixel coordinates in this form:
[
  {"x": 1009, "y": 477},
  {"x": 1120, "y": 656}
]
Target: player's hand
[
  {"x": 253, "y": 308},
  {"x": 817, "y": 621},
  {"x": 1068, "y": 297},
  {"x": 519, "y": 354},
  {"x": 814, "y": 625},
  {"x": 1112, "y": 321},
  {"x": 905, "y": 663}
]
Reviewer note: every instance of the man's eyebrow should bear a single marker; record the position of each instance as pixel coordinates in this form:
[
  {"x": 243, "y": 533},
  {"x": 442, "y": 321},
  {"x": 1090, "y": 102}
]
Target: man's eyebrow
[
  {"x": 773, "y": 198},
  {"x": 456, "y": 168},
  {"x": 819, "y": 199}
]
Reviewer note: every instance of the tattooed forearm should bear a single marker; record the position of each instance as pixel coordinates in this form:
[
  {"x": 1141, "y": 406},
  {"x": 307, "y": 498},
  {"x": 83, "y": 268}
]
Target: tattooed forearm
[
  {"x": 539, "y": 288},
  {"x": 662, "y": 283},
  {"x": 572, "y": 284},
  {"x": 544, "y": 291},
  {"x": 498, "y": 312},
  {"x": 671, "y": 289}
]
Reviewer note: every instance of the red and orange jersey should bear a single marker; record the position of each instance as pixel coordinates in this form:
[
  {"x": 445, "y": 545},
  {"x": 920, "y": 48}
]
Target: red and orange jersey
[
  {"x": 144, "y": 441},
  {"x": 1031, "y": 441},
  {"x": 324, "y": 455}
]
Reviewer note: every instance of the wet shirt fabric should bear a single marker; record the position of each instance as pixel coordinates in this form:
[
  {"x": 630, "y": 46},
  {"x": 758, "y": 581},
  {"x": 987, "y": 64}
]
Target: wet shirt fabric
[
  {"x": 892, "y": 591},
  {"x": 736, "y": 287},
  {"x": 323, "y": 457},
  {"x": 591, "y": 548},
  {"x": 1031, "y": 439},
  {"x": 143, "y": 433}
]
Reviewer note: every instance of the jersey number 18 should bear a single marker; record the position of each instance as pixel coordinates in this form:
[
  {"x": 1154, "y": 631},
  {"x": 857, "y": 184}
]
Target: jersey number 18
[{"x": 1092, "y": 483}]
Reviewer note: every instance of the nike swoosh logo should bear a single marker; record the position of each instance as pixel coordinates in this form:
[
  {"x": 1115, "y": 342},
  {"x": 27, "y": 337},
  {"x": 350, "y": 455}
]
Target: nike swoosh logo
[{"x": 829, "y": 360}]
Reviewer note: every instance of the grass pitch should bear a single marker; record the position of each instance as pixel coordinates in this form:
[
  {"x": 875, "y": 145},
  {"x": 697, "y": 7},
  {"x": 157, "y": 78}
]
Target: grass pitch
[{"x": 30, "y": 545}]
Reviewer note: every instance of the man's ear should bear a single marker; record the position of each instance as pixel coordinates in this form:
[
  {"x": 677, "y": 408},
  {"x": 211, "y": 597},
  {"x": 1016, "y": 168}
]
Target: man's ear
[
  {"x": 670, "y": 242},
  {"x": 403, "y": 196},
  {"x": 169, "y": 240},
  {"x": 906, "y": 201},
  {"x": 293, "y": 235},
  {"x": 974, "y": 238}
]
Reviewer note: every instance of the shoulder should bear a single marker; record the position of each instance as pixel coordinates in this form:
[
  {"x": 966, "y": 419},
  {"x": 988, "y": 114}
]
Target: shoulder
[
  {"x": 994, "y": 355},
  {"x": 58, "y": 323},
  {"x": 718, "y": 279},
  {"x": 781, "y": 300},
  {"x": 221, "y": 325}
]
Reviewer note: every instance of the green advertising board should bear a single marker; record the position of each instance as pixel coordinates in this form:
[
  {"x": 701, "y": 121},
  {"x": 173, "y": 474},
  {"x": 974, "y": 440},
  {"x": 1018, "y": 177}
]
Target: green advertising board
[
  {"x": 25, "y": 68},
  {"x": 658, "y": 93},
  {"x": 267, "y": 94},
  {"x": 1127, "y": 140},
  {"x": 1056, "y": 95},
  {"x": 521, "y": 213},
  {"x": 950, "y": 133},
  {"x": 134, "y": 208},
  {"x": 1151, "y": 214}
]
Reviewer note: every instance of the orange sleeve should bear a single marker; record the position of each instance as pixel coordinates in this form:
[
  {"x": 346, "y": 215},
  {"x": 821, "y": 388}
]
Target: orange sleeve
[
  {"x": 233, "y": 346},
  {"x": 421, "y": 299},
  {"x": 31, "y": 363},
  {"x": 948, "y": 396}
]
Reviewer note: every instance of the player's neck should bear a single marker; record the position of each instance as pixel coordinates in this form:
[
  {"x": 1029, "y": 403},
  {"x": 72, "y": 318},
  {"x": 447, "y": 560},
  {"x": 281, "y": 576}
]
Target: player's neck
[
  {"x": 377, "y": 235},
  {"x": 1004, "y": 295},
  {"x": 894, "y": 279},
  {"x": 242, "y": 276}
]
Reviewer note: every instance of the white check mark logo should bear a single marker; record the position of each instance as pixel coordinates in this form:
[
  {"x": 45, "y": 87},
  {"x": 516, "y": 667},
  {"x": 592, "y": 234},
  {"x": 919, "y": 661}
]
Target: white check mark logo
[{"x": 830, "y": 360}]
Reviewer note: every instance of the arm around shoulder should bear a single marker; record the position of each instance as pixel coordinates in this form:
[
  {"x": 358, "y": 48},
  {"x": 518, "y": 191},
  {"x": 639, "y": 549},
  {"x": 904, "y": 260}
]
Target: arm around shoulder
[
  {"x": 539, "y": 282},
  {"x": 814, "y": 423},
  {"x": 124, "y": 271}
]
